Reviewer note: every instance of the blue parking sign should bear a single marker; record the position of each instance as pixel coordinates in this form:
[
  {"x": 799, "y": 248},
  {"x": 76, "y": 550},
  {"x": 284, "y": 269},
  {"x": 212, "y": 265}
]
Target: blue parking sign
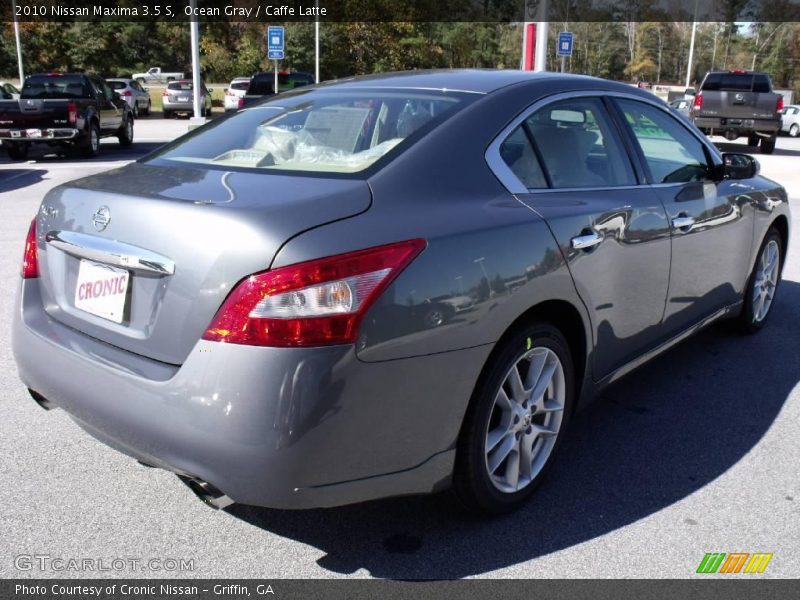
[
  {"x": 275, "y": 39},
  {"x": 564, "y": 47}
]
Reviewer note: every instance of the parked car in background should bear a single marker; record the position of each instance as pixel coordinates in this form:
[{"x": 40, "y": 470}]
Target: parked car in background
[
  {"x": 178, "y": 97},
  {"x": 263, "y": 84},
  {"x": 681, "y": 105},
  {"x": 235, "y": 92},
  {"x": 64, "y": 109},
  {"x": 137, "y": 97},
  {"x": 156, "y": 75},
  {"x": 790, "y": 120},
  {"x": 8, "y": 91},
  {"x": 267, "y": 307},
  {"x": 739, "y": 103}
]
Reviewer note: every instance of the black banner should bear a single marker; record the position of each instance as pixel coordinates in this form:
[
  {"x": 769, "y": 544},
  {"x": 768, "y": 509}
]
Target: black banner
[
  {"x": 282, "y": 589},
  {"x": 277, "y": 11}
]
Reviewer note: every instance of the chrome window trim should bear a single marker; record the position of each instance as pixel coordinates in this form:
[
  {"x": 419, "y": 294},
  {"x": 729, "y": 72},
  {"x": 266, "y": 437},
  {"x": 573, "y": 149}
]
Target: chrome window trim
[{"x": 512, "y": 183}]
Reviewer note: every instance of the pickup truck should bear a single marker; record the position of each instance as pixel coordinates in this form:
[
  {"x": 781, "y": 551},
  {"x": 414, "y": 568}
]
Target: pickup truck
[
  {"x": 64, "y": 109},
  {"x": 156, "y": 75},
  {"x": 737, "y": 103},
  {"x": 263, "y": 84}
]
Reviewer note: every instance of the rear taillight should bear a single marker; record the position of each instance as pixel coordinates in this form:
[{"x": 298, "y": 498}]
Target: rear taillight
[
  {"x": 779, "y": 104},
  {"x": 126, "y": 93},
  {"x": 240, "y": 103},
  {"x": 30, "y": 259},
  {"x": 165, "y": 93},
  {"x": 312, "y": 303},
  {"x": 698, "y": 101},
  {"x": 72, "y": 112}
]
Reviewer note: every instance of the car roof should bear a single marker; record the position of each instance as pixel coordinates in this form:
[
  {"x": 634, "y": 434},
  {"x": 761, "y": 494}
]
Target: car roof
[
  {"x": 478, "y": 81},
  {"x": 125, "y": 79}
]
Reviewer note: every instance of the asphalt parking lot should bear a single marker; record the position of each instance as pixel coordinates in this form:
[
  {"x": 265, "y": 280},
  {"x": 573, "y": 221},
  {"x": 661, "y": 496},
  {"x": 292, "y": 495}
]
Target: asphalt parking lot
[{"x": 697, "y": 452}]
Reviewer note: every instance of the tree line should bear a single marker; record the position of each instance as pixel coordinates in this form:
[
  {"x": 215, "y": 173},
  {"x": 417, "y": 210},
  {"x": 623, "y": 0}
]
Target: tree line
[{"x": 629, "y": 51}]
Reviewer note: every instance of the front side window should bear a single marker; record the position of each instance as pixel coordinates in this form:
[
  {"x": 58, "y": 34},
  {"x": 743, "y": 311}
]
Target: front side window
[
  {"x": 578, "y": 145},
  {"x": 672, "y": 154},
  {"x": 320, "y": 132}
]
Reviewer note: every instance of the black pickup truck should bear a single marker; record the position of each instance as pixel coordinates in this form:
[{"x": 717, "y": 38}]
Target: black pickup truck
[
  {"x": 64, "y": 109},
  {"x": 737, "y": 103}
]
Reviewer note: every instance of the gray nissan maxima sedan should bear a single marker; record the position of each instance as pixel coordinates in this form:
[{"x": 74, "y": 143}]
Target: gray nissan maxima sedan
[{"x": 388, "y": 285}]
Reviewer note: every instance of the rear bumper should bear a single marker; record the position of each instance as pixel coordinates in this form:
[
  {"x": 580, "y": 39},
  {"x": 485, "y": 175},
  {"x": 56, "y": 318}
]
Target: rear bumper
[
  {"x": 39, "y": 135},
  {"x": 285, "y": 428},
  {"x": 725, "y": 124},
  {"x": 179, "y": 106}
]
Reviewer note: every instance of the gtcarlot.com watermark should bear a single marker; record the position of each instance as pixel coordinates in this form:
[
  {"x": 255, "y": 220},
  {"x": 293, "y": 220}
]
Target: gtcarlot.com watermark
[{"x": 64, "y": 564}]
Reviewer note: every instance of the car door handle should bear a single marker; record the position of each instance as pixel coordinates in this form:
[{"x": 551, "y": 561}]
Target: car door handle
[
  {"x": 683, "y": 222},
  {"x": 582, "y": 242}
]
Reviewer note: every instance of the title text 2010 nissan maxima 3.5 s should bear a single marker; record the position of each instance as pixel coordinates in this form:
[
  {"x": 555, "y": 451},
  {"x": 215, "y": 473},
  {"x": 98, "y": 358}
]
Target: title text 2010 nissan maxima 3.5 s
[{"x": 388, "y": 285}]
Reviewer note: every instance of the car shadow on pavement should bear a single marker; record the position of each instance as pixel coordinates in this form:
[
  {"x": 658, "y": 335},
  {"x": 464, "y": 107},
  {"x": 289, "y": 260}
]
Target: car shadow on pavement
[
  {"x": 108, "y": 152},
  {"x": 754, "y": 150},
  {"x": 649, "y": 441},
  {"x": 14, "y": 179}
]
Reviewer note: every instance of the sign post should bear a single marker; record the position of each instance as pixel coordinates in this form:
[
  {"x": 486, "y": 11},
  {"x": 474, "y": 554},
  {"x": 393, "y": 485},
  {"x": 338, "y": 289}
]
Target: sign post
[
  {"x": 275, "y": 48},
  {"x": 564, "y": 48}
]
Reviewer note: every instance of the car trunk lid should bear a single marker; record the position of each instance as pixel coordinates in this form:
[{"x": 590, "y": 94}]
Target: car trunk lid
[{"x": 181, "y": 237}]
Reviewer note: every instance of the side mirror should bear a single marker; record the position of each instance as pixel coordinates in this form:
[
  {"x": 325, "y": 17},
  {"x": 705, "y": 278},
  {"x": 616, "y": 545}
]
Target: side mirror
[{"x": 739, "y": 166}]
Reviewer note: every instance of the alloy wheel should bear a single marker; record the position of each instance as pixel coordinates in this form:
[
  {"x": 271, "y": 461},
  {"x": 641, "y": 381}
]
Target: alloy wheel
[
  {"x": 766, "y": 280},
  {"x": 526, "y": 417}
]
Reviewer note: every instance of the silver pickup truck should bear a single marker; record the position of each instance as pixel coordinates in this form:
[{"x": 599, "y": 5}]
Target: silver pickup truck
[{"x": 738, "y": 103}]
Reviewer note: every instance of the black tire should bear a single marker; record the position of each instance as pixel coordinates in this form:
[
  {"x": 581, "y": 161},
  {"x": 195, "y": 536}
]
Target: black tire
[
  {"x": 748, "y": 320},
  {"x": 167, "y": 114},
  {"x": 135, "y": 110},
  {"x": 794, "y": 130},
  {"x": 768, "y": 145},
  {"x": 16, "y": 150},
  {"x": 752, "y": 140},
  {"x": 91, "y": 146},
  {"x": 125, "y": 135},
  {"x": 149, "y": 108},
  {"x": 472, "y": 482}
]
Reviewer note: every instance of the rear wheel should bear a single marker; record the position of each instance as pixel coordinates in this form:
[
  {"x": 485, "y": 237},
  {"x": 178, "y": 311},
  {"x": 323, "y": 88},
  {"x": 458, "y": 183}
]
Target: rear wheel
[
  {"x": 794, "y": 130},
  {"x": 136, "y": 110},
  {"x": 752, "y": 140},
  {"x": 16, "y": 151},
  {"x": 91, "y": 146},
  {"x": 167, "y": 114},
  {"x": 148, "y": 109},
  {"x": 768, "y": 145},
  {"x": 516, "y": 420},
  {"x": 125, "y": 135},
  {"x": 763, "y": 283}
]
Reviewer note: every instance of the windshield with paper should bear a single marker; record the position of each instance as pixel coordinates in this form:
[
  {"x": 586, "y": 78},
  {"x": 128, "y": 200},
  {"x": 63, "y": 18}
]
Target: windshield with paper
[{"x": 315, "y": 131}]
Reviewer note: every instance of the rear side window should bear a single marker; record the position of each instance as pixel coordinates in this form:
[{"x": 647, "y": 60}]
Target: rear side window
[
  {"x": 54, "y": 86},
  {"x": 518, "y": 154},
  {"x": 578, "y": 145},
  {"x": 316, "y": 131},
  {"x": 673, "y": 155}
]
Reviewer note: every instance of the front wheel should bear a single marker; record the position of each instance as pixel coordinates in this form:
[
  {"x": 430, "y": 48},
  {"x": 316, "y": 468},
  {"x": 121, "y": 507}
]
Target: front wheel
[
  {"x": 125, "y": 135},
  {"x": 763, "y": 283},
  {"x": 516, "y": 420},
  {"x": 17, "y": 151}
]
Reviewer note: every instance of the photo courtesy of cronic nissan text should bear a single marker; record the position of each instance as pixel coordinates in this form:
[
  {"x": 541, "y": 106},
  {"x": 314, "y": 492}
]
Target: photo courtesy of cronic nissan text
[{"x": 399, "y": 300}]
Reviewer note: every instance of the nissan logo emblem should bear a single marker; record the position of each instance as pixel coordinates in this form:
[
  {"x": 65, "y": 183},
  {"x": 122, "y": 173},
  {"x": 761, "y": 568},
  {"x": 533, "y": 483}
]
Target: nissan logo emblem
[{"x": 101, "y": 218}]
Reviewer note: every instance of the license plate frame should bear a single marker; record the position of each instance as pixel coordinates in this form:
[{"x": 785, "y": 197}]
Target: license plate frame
[{"x": 102, "y": 291}]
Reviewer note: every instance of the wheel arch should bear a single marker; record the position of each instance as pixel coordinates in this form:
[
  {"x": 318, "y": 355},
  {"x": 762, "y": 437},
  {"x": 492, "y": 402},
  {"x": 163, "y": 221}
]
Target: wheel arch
[{"x": 781, "y": 223}]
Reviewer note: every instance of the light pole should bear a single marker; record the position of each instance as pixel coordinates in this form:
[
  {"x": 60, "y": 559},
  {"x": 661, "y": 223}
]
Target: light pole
[
  {"x": 316, "y": 46},
  {"x": 19, "y": 45},
  {"x": 691, "y": 46},
  {"x": 195, "y": 35}
]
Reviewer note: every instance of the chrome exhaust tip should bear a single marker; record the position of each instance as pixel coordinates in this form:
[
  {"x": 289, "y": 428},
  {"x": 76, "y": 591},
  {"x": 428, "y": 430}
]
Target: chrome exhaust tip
[
  {"x": 41, "y": 400},
  {"x": 210, "y": 495}
]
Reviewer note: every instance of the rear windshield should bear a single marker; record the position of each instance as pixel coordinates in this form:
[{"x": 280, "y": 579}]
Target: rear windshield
[
  {"x": 185, "y": 86},
  {"x": 54, "y": 86},
  {"x": 117, "y": 85},
  {"x": 316, "y": 131},
  {"x": 737, "y": 82},
  {"x": 240, "y": 85}
]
